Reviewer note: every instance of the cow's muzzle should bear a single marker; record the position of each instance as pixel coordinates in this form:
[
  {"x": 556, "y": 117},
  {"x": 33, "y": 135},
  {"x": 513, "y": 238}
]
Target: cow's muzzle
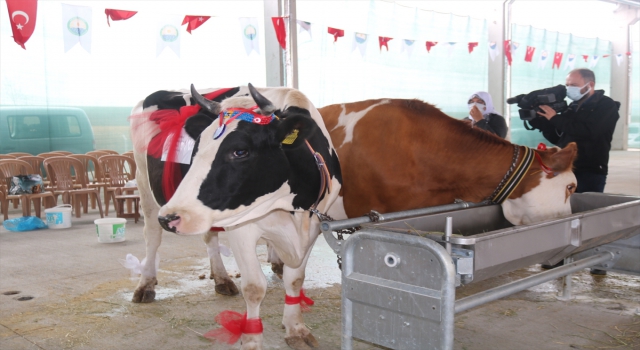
[{"x": 169, "y": 222}]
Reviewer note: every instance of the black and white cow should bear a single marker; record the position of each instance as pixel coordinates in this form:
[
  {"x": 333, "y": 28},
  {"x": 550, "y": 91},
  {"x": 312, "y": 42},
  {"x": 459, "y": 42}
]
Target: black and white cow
[{"x": 262, "y": 160}]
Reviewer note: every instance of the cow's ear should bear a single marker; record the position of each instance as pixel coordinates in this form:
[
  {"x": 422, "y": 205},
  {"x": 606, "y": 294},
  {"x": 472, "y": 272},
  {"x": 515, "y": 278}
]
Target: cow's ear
[
  {"x": 562, "y": 160},
  {"x": 195, "y": 125},
  {"x": 294, "y": 129}
]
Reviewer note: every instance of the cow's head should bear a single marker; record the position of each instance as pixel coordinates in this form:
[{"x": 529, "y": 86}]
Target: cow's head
[
  {"x": 544, "y": 192},
  {"x": 240, "y": 170}
]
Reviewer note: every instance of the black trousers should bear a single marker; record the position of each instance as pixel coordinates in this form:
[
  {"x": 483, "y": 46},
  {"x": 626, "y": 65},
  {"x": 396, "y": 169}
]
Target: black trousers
[{"x": 590, "y": 182}]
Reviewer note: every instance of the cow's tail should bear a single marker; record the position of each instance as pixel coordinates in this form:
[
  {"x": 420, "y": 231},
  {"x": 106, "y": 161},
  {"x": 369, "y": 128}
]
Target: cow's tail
[{"x": 143, "y": 129}]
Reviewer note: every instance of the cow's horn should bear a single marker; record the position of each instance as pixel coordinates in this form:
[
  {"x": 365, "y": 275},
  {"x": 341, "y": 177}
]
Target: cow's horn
[
  {"x": 265, "y": 105},
  {"x": 212, "y": 107}
]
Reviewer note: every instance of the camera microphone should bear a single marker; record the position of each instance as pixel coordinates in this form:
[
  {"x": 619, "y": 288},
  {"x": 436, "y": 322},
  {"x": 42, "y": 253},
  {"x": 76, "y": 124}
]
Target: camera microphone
[{"x": 516, "y": 99}]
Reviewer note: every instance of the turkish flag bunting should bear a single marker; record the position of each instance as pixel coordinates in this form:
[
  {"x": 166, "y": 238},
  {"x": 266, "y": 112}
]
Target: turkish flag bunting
[
  {"x": 557, "y": 59},
  {"x": 383, "y": 40},
  {"x": 194, "y": 22},
  {"x": 337, "y": 33},
  {"x": 472, "y": 46},
  {"x": 528, "y": 57},
  {"x": 586, "y": 57},
  {"x": 22, "y": 15},
  {"x": 118, "y": 15},
  {"x": 605, "y": 56},
  {"x": 281, "y": 33},
  {"x": 431, "y": 44},
  {"x": 507, "y": 51}
]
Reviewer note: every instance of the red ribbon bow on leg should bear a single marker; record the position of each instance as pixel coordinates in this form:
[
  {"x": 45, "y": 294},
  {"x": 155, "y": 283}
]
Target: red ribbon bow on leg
[
  {"x": 303, "y": 300},
  {"x": 234, "y": 325}
]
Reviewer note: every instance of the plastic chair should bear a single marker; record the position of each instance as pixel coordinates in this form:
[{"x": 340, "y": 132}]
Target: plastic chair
[
  {"x": 6, "y": 156},
  {"x": 19, "y": 154},
  {"x": 108, "y": 151},
  {"x": 65, "y": 153},
  {"x": 37, "y": 167},
  {"x": 95, "y": 176},
  {"x": 50, "y": 154},
  {"x": 120, "y": 170},
  {"x": 61, "y": 170},
  {"x": 14, "y": 167}
]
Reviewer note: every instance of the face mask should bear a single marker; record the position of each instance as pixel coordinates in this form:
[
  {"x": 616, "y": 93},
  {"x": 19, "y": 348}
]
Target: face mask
[
  {"x": 480, "y": 106},
  {"x": 573, "y": 92}
]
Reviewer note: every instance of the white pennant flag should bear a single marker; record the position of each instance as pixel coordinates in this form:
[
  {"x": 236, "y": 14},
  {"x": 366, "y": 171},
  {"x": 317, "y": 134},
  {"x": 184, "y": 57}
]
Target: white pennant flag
[
  {"x": 360, "y": 41},
  {"x": 514, "y": 47},
  {"x": 594, "y": 61},
  {"x": 168, "y": 35},
  {"x": 76, "y": 26},
  {"x": 571, "y": 62},
  {"x": 619, "y": 58},
  {"x": 249, "y": 26},
  {"x": 542, "y": 61},
  {"x": 407, "y": 46},
  {"x": 304, "y": 26},
  {"x": 452, "y": 45},
  {"x": 493, "y": 50}
]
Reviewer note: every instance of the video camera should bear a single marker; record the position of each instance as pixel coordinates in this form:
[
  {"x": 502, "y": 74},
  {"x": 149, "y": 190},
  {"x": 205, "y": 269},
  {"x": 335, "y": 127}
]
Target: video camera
[{"x": 529, "y": 104}]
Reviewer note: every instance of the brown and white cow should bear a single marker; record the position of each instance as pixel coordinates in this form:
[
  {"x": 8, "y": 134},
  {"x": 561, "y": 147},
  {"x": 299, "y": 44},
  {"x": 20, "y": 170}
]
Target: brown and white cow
[
  {"x": 261, "y": 161},
  {"x": 400, "y": 154}
]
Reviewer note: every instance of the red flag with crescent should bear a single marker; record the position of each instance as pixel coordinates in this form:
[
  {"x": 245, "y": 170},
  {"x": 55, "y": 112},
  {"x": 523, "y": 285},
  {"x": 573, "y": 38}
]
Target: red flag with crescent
[
  {"x": 194, "y": 22},
  {"x": 281, "y": 33},
  {"x": 507, "y": 51},
  {"x": 431, "y": 44},
  {"x": 118, "y": 15},
  {"x": 557, "y": 60},
  {"x": 472, "y": 45},
  {"x": 337, "y": 33},
  {"x": 528, "y": 57},
  {"x": 22, "y": 15},
  {"x": 384, "y": 41}
]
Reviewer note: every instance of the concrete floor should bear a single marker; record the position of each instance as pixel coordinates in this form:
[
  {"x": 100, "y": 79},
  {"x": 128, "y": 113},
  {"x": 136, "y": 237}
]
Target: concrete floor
[{"x": 61, "y": 289}]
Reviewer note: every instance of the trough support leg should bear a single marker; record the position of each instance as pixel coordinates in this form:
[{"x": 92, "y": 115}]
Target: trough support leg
[{"x": 566, "y": 281}]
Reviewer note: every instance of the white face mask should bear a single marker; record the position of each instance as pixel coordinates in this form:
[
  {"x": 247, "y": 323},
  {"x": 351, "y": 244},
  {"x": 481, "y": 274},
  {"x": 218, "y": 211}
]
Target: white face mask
[
  {"x": 573, "y": 92},
  {"x": 481, "y": 107}
]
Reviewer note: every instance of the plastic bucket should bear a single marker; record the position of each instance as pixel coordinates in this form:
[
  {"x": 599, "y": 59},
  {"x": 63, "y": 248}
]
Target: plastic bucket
[
  {"x": 59, "y": 217},
  {"x": 110, "y": 230}
]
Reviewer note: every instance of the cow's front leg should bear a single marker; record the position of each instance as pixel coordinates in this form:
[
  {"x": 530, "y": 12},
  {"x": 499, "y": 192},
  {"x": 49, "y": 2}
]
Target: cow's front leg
[
  {"x": 145, "y": 291},
  {"x": 298, "y": 336},
  {"x": 224, "y": 284},
  {"x": 254, "y": 283}
]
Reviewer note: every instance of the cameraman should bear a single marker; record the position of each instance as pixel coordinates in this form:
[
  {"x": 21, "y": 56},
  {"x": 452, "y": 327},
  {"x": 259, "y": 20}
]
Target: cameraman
[{"x": 589, "y": 122}]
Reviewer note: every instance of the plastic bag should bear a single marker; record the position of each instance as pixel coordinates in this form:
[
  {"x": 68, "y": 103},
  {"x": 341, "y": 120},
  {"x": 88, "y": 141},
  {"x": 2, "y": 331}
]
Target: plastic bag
[
  {"x": 134, "y": 265},
  {"x": 21, "y": 184},
  {"x": 25, "y": 223}
]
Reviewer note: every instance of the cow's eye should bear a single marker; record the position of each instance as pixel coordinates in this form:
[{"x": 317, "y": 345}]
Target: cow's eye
[{"x": 241, "y": 153}]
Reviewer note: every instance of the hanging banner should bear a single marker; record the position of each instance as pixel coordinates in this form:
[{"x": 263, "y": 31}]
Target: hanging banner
[
  {"x": 304, "y": 26},
  {"x": 281, "y": 33},
  {"x": 472, "y": 46},
  {"x": 337, "y": 33},
  {"x": 22, "y": 16},
  {"x": 407, "y": 46},
  {"x": 586, "y": 58},
  {"x": 76, "y": 26},
  {"x": 249, "y": 27},
  {"x": 507, "y": 51},
  {"x": 431, "y": 44},
  {"x": 193, "y": 22},
  {"x": 451, "y": 46},
  {"x": 571, "y": 62},
  {"x": 168, "y": 35},
  {"x": 619, "y": 58},
  {"x": 493, "y": 50},
  {"x": 514, "y": 47},
  {"x": 528, "y": 56},
  {"x": 384, "y": 41},
  {"x": 118, "y": 15},
  {"x": 542, "y": 61},
  {"x": 360, "y": 42},
  {"x": 594, "y": 61},
  {"x": 557, "y": 59}
]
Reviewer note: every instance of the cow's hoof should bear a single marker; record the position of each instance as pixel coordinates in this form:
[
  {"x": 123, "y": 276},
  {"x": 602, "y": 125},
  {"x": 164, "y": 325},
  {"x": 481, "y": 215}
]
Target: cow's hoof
[
  {"x": 227, "y": 288},
  {"x": 278, "y": 269},
  {"x": 143, "y": 296},
  {"x": 306, "y": 342},
  {"x": 251, "y": 342}
]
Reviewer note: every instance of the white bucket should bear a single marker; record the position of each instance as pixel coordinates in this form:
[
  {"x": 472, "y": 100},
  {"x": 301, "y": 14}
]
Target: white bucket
[
  {"x": 59, "y": 217},
  {"x": 110, "y": 230}
]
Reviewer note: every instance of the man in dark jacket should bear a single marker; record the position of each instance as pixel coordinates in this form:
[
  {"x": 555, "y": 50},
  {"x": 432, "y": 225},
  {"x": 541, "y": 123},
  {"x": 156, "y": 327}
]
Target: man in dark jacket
[{"x": 589, "y": 122}]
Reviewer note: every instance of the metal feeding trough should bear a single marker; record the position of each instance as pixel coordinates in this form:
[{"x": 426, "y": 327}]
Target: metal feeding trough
[{"x": 399, "y": 275}]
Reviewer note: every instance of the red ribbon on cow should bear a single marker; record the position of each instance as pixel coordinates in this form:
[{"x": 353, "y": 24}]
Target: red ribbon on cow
[
  {"x": 542, "y": 146},
  {"x": 543, "y": 166},
  {"x": 170, "y": 122},
  {"x": 234, "y": 325},
  {"x": 303, "y": 300}
]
